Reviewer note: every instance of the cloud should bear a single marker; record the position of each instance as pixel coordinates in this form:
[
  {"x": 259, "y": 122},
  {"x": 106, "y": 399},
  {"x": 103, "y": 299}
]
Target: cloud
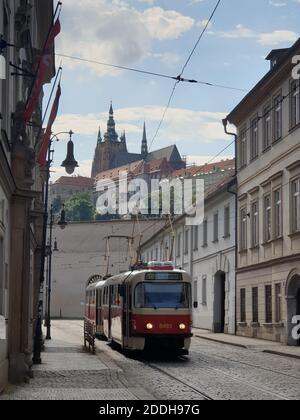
[
  {"x": 264, "y": 38},
  {"x": 114, "y": 32},
  {"x": 181, "y": 126}
]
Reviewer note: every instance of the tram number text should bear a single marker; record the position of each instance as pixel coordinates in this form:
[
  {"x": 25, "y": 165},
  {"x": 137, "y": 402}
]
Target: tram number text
[{"x": 165, "y": 326}]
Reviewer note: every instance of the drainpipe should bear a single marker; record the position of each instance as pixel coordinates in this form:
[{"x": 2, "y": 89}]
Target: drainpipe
[{"x": 235, "y": 193}]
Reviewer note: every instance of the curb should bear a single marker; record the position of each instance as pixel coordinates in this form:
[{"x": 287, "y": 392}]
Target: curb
[
  {"x": 215, "y": 340},
  {"x": 278, "y": 353}
]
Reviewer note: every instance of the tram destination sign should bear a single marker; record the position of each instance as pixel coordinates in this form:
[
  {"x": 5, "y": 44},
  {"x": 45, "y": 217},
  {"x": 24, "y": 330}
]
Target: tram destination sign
[{"x": 163, "y": 276}]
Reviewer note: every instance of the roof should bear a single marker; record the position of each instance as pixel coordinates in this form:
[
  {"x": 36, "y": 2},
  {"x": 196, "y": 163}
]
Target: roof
[
  {"x": 124, "y": 158},
  {"x": 167, "y": 152},
  {"x": 136, "y": 168},
  {"x": 75, "y": 181},
  {"x": 223, "y": 165},
  {"x": 268, "y": 82}
]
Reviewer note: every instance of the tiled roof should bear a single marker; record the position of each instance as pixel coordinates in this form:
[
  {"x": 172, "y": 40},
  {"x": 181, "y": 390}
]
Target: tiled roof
[
  {"x": 75, "y": 181},
  {"x": 205, "y": 169}
]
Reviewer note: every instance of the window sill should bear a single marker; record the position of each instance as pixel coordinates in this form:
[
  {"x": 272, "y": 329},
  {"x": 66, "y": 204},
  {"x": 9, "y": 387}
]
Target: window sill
[
  {"x": 294, "y": 235},
  {"x": 215, "y": 241},
  {"x": 254, "y": 247},
  {"x": 295, "y": 128},
  {"x": 242, "y": 324},
  {"x": 277, "y": 141},
  {"x": 267, "y": 149},
  {"x": 243, "y": 251},
  {"x": 204, "y": 245},
  {"x": 227, "y": 236},
  {"x": 254, "y": 159},
  {"x": 279, "y": 324},
  {"x": 255, "y": 324},
  {"x": 267, "y": 243},
  {"x": 268, "y": 325}
]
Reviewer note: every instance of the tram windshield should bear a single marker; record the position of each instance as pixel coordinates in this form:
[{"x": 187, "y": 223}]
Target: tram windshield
[{"x": 162, "y": 295}]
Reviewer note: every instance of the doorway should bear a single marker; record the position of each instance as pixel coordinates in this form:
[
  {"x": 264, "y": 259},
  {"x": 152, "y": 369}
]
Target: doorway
[{"x": 219, "y": 303}]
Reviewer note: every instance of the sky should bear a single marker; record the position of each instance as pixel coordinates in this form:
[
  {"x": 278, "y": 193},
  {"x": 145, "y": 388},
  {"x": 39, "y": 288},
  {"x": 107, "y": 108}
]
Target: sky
[{"x": 158, "y": 36}]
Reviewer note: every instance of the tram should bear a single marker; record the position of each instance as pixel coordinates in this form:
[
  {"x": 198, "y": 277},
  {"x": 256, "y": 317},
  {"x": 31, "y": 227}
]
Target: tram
[{"x": 145, "y": 309}]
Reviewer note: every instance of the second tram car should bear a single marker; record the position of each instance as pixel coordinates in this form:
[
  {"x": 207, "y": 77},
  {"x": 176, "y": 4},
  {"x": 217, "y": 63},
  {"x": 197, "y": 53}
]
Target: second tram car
[{"x": 144, "y": 309}]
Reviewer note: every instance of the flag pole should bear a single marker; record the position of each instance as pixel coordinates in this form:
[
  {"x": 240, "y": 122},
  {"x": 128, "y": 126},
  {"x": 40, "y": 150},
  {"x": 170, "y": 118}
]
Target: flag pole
[
  {"x": 57, "y": 10},
  {"x": 47, "y": 107}
]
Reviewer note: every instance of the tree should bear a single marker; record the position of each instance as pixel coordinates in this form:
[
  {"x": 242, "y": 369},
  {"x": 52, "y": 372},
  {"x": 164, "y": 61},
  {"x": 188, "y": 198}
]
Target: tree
[{"x": 79, "y": 208}]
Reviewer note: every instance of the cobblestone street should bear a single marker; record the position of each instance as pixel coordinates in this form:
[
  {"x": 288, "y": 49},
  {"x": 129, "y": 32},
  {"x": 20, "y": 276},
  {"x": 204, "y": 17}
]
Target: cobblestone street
[{"x": 213, "y": 371}]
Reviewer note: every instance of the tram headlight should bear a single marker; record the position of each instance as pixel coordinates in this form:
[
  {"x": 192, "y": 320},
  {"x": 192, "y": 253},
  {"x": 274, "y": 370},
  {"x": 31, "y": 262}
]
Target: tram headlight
[
  {"x": 182, "y": 327},
  {"x": 149, "y": 326}
]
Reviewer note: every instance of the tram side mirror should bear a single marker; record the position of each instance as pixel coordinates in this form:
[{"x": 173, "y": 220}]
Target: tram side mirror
[
  {"x": 122, "y": 291},
  {"x": 195, "y": 305}
]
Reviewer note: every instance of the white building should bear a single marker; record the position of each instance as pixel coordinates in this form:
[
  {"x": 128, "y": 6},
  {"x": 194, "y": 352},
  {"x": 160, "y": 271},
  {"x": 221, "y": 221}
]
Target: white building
[
  {"x": 207, "y": 252},
  {"x": 268, "y": 275}
]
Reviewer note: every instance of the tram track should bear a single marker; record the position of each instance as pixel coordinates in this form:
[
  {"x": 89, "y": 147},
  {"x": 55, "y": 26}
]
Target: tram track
[
  {"x": 173, "y": 377},
  {"x": 277, "y": 372},
  {"x": 244, "y": 383}
]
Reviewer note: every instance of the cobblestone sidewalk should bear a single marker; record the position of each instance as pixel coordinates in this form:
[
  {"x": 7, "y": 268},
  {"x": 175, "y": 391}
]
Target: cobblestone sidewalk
[{"x": 70, "y": 373}]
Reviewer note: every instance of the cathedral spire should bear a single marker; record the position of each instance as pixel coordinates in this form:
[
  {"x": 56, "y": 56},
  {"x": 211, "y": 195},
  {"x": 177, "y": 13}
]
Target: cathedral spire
[
  {"x": 144, "y": 143},
  {"x": 99, "y": 139},
  {"x": 111, "y": 135}
]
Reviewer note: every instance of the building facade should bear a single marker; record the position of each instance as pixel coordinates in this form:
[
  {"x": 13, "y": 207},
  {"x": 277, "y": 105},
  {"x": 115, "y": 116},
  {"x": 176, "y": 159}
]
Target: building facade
[
  {"x": 207, "y": 252},
  {"x": 62, "y": 189},
  {"x": 268, "y": 144},
  {"x": 25, "y": 24}
]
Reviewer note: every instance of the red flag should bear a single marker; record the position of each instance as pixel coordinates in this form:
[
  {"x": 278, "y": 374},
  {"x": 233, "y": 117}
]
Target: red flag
[
  {"x": 42, "y": 157},
  {"x": 42, "y": 72}
]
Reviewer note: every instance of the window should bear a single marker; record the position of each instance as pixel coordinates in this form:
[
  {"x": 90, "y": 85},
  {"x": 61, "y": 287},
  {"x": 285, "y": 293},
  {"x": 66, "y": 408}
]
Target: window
[
  {"x": 243, "y": 238},
  {"x": 295, "y": 104},
  {"x": 254, "y": 139},
  {"x": 156, "y": 254},
  {"x": 196, "y": 237},
  {"x": 205, "y": 233},
  {"x": 158, "y": 295},
  {"x": 277, "y": 214},
  {"x": 278, "y": 118},
  {"x": 172, "y": 248},
  {"x": 216, "y": 227},
  {"x": 227, "y": 221},
  {"x": 267, "y": 218},
  {"x": 243, "y": 148},
  {"x": 179, "y": 245},
  {"x": 296, "y": 206},
  {"x": 255, "y": 305},
  {"x": 254, "y": 224},
  {"x": 204, "y": 291},
  {"x": 267, "y": 127},
  {"x": 243, "y": 305},
  {"x": 278, "y": 303},
  {"x": 195, "y": 294},
  {"x": 268, "y": 304},
  {"x": 186, "y": 242}
]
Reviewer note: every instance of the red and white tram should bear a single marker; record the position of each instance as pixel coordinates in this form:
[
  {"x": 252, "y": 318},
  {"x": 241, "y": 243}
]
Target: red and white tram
[{"x": 144, "y": 309}]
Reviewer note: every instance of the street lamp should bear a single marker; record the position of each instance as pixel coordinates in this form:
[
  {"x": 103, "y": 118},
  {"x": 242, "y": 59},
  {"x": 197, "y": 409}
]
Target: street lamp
[{"x": 70, "y": 164}]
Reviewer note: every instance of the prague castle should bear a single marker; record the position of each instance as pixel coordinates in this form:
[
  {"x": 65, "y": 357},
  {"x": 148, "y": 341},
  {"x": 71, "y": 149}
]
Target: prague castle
[{"x": 111, "y": 151}]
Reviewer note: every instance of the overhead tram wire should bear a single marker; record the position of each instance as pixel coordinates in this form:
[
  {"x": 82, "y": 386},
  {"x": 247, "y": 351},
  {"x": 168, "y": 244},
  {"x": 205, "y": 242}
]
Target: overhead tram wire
[
  {"x": 183, "y": 70},
  {"x": 150, "y": 73}
]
